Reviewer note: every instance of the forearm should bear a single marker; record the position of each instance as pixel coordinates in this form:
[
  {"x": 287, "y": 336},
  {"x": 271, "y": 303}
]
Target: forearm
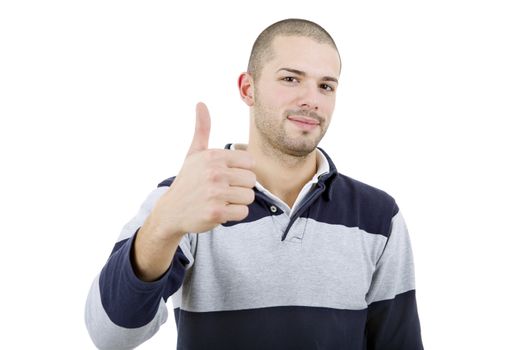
[
  {"x": 123, "y": 311},
  {"x": 153, "y": 251}
]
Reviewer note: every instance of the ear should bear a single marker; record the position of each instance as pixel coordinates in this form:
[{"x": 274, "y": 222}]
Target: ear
[{"x": 246, "y": 88}]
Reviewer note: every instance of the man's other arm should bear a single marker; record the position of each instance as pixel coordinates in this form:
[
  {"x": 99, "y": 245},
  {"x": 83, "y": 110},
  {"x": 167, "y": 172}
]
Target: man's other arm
[
  {"x": 393, "y": 321},
  {"x": 123, "y": 310}
]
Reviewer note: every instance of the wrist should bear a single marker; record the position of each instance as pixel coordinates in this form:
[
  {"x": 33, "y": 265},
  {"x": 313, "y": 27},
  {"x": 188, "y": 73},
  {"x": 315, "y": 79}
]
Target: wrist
[{"x": 157, "y": 231}]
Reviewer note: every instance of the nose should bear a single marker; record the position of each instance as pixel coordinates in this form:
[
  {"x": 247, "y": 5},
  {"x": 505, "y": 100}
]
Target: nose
[{"x": 309, "y": 96}]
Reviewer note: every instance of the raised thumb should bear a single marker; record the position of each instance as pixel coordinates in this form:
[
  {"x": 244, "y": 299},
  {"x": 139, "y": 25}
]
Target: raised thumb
[{"x": 202, "y": 129}]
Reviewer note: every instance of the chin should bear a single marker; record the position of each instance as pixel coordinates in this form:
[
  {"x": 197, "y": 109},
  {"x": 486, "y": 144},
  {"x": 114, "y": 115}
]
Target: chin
[{"x": 300, "y": 150}]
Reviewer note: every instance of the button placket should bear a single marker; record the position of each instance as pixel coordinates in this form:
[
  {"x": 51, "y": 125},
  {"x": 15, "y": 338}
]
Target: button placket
[{"x": 297, "y": 231}]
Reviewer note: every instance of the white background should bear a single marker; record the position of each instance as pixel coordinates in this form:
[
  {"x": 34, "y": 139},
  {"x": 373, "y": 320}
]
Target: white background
[{"x": 97, "y": 104}]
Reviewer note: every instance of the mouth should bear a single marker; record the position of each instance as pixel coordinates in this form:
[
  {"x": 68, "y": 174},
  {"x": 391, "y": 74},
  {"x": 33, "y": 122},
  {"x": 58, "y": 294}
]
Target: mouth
[
  {"x": 303, "y": 120},
  {"x": 303, "y": 123}
]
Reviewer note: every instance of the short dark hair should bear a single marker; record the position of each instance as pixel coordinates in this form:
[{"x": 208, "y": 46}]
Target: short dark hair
[{"x": 262, "y": 47}]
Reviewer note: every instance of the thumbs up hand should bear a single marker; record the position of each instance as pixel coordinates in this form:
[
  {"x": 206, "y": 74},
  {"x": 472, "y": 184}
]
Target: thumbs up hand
[{"x": 213, "y": 186}]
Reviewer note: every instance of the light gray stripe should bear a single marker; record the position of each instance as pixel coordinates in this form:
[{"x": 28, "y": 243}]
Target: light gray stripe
[
  {"x": 248, "y": 266},
  {"x": 107, "y": 335},
  {"x": 145, "y": 209},
  {"x": 395, "y": 270}
]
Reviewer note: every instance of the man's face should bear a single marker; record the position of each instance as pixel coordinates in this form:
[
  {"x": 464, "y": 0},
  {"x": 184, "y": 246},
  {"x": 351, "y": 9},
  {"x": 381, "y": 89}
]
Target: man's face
[{"x": 294, "y": 95}]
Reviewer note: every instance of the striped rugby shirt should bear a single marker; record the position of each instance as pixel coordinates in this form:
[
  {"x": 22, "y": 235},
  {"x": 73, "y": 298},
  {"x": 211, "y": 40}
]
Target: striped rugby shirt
[{"x": 335, "y": 271}]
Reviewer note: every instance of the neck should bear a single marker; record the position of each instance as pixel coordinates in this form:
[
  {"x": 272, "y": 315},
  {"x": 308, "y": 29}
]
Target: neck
[{"x": 282, "y": 174}]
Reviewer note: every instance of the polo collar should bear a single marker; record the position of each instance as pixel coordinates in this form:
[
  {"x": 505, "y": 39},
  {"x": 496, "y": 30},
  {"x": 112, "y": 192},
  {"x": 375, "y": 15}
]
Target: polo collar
[{"x": 325, "y": 179}]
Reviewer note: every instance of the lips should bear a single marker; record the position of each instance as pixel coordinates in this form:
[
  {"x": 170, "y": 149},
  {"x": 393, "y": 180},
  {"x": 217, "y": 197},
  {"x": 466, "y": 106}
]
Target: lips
[{"x": 303, "y": 120}]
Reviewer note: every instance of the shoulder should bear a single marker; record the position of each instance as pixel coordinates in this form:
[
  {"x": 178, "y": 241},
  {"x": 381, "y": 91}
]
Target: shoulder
[
  {"x": 371, "y": 207},
  {"x": 363, "y": 193}
]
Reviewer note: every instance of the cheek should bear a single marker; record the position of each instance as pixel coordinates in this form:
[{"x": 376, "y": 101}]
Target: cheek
[
  {"x": 278, "y": 95},
  {"x": 281, "y": 97},
  {"x": 328, "y": 105}
]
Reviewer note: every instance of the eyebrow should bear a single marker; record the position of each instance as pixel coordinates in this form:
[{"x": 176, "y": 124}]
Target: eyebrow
[{"x": 301, "y": 73}]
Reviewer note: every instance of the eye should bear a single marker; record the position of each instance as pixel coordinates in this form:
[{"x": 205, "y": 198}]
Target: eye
[
  {"x": 327, "y": 87},
  {"x": 290, "y": 79}
]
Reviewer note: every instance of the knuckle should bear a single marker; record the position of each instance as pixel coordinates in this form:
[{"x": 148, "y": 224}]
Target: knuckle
[
  {"x": 213, "y": 174},
  {"x": 212, "y": 193},
  {"x": 247, "y": 196},
  {"x": 243, "y": 212},
  {"x": 215, "y": 214}
]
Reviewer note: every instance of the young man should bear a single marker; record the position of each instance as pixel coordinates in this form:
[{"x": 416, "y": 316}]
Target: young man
[{"x": 265, "y": 245}]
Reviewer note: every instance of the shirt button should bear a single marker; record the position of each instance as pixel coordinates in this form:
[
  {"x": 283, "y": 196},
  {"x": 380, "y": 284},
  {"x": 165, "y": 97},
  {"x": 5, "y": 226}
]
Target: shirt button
[{"x": 273, "y": 208}]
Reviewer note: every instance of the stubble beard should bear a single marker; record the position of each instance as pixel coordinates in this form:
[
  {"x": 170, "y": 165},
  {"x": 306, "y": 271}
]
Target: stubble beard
[{"x": 274, "y": 136}]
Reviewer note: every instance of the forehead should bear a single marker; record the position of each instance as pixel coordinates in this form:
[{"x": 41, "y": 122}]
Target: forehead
[{"x": 304, "y": 54}]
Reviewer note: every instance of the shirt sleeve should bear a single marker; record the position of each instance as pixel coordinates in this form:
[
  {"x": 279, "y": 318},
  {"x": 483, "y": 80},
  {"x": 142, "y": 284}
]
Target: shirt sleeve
[
  {"x": 123, "y": 311},
  {"x": 393, "y": 321}
]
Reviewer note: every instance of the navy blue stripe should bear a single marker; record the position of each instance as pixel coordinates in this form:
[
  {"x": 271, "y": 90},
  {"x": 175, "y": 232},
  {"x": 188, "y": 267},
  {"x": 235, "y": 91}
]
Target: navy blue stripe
[
  {"x": 394, "y": 324},
  {"x": 128, "y": 301},
  {"x": 355, "y": 204},
  {"x": 177, "y": 271},
  {"x": 287, "y": 327},
  {"x": 167, "y": 182},
  {"x": 176, "y": 274}
]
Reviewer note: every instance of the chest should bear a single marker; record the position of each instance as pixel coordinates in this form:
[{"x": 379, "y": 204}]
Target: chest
[{"x": 249, "y": 265}]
